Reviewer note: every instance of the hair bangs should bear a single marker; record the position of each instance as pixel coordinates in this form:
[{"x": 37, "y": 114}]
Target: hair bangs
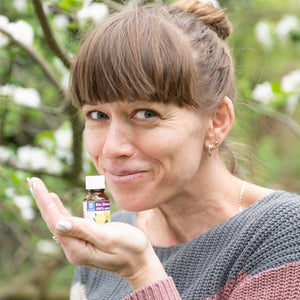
[{"x": 135, "y": 55}]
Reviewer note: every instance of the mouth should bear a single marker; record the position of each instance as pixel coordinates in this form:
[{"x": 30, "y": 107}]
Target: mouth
[{"x": 124, "y": 176}]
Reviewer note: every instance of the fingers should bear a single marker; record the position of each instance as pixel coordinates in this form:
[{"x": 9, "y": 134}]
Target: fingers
[
  {"x": 112, "y": 247},
  {"x": 106, "y": 238},
  {"x": 48, "y": 204},
  {"x": 59, "y": 205},
  {"x": 79, "y": 228},
  {"x": 85, "y": 243}
]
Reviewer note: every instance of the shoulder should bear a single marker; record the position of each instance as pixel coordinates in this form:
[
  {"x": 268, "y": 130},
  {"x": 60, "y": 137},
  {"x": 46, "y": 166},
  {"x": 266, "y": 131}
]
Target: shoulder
[
  {"x": 277, "y": 211},
  {"x": 255, "y": 193},
  {"x": 272, "y": 231},
  {"x": 279, "y": 204}
]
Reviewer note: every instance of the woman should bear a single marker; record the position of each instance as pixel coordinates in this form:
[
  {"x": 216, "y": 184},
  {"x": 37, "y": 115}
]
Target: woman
[{"x": 156, "y": 85}]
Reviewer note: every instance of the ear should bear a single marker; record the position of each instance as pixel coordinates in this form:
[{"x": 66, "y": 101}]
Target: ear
[{"x": 220, "y": 123}]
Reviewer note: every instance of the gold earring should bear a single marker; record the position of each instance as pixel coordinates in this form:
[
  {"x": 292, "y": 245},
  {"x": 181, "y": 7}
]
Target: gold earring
[
  {"x": 216, "y": 143},
  {"x": 210, "y": 150}
]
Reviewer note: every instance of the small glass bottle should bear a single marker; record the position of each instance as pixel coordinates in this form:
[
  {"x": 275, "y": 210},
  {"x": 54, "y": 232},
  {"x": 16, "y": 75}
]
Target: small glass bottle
[{"x": 96, "y": 206}]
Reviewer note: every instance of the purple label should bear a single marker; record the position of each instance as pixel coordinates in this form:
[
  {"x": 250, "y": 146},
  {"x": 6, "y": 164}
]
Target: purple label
[{"x": 98, "y": 205}]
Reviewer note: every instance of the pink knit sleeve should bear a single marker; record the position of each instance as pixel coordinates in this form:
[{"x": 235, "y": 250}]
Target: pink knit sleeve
[
  {"x": 159, "y": 290},
  {"x": 276, "y": 283}
]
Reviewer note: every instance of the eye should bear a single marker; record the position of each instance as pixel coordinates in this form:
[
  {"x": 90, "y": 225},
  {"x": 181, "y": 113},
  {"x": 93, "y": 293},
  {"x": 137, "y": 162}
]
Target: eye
[
  {"x": 146, "y": 114},
  {"x": 96, "y": 115}
]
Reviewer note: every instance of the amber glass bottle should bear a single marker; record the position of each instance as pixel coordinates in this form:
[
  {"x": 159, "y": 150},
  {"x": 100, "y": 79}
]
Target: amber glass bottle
[{"x": 96, "y": 206}]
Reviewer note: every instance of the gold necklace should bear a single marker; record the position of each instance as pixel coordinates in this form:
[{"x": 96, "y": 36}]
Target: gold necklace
[
  {"x": 241, "y": 198},
  {"x": 240, "y": 206}
]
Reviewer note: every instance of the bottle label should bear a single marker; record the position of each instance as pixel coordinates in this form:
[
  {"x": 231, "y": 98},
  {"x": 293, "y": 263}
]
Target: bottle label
[{"x": 97, "y": 211}]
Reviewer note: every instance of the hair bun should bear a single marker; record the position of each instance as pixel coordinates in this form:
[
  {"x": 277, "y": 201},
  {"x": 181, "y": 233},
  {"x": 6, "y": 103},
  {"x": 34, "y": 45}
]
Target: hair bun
[{"x": 211, "y": 16}]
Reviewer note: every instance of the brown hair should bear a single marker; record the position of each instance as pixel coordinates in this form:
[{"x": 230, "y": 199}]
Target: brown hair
[{"x": 158, "y": 53}]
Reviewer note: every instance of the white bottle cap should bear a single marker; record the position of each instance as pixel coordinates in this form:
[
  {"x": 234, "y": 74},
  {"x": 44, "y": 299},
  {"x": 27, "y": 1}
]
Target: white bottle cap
[{"x": 96, "y": 182}]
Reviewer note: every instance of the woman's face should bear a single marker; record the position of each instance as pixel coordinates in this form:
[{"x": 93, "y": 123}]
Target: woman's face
[{"x": 148, "y": 152}]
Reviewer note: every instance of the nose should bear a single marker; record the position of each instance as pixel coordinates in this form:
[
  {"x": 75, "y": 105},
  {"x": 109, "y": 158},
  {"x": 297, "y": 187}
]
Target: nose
[{"x": 117, "y": 141}]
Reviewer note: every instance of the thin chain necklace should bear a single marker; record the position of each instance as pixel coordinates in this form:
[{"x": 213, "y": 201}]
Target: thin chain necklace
[
  {"x": 241, "y": 198},
  {"x": 240, "y": 206}
]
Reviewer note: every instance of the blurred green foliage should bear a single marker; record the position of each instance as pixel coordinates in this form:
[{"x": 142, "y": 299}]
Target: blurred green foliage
[{"x": 31, "y": 263}]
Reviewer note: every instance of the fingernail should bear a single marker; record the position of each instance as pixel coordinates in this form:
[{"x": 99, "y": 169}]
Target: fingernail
[
  {"x": 31, "y": 187},
  {"x": 64, "y": 226}
]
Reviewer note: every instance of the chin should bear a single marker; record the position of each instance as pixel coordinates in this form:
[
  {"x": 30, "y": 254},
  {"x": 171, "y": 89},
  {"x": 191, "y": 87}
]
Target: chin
[{"x": 130, "y": 202}]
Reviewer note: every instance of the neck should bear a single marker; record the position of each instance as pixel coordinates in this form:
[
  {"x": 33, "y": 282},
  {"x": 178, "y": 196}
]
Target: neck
[{"x": 207, "y": 202}]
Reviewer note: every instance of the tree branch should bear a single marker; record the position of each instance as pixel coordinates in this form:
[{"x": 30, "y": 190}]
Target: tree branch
[
  {"x": 48, "y": 34},
  {"x": 44, "y": 109},
  {"x": 77, "y": 130},
  {"x": 39, "y": 59}
]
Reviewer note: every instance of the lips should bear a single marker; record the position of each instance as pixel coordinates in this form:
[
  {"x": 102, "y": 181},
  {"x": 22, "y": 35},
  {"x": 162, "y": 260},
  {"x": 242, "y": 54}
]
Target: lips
[{"x": 124, "y": 175}]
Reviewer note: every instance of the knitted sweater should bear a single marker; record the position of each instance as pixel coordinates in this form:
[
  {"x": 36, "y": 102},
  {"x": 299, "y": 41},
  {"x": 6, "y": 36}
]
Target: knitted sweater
[{"x": 253, "y": 255}]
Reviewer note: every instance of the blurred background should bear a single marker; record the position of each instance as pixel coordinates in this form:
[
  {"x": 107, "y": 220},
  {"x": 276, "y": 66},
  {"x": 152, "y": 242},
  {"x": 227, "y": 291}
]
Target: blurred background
[{"x": 41, "y": 133}]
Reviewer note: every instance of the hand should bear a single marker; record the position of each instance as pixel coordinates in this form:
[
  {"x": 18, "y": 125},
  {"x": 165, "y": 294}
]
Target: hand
[{"x": 117, "y": 247}]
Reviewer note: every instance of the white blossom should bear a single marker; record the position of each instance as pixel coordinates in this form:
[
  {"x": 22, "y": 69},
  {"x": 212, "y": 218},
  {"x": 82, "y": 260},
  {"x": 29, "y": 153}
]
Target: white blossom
[
  {"x": 61, "y": 22},
  {"x": 37, "y": 159},
  {"x": 24, "y": 203},
  {"x": 96, "y": 12},
  {"x": 291, "y": 81},
  {"x": 5, "y": 153},
  {"x": 285, "y": 26},
  {"x": 47, "y": 143},
  {"x": 54, "y": 165},
  {"x": 7, "y": 90},
  {"x": 28, "y": 213},
  {"x": 26, "y": 96},
  {"x": 29, "y": 156},
  {"x": 263, "y": 92},
  {"x": 3, "y": 21},
  {"x": 46, "y": 8},
  {"x": 9, "y": 192},
  {"x": 47, "y": 247},
  {"x": 3, "y": 24},
  {"x": 64, "y": 142},
  {"x": 63, "y": 137},
  {"x": 263, "y": 34},
  {"x": 21, "y": 31},
  {"x": 20, "y": 5}
]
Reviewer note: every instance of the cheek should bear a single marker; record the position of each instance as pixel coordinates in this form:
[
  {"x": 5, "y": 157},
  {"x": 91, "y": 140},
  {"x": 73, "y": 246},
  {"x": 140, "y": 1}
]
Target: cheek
[
  {"x": 179, "y": 154},
  {"x": 187, "y": 149}
]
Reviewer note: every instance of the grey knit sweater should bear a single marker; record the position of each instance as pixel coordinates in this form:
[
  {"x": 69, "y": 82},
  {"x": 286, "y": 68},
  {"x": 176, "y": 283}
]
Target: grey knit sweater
[{"x": 253, "y": 255}]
